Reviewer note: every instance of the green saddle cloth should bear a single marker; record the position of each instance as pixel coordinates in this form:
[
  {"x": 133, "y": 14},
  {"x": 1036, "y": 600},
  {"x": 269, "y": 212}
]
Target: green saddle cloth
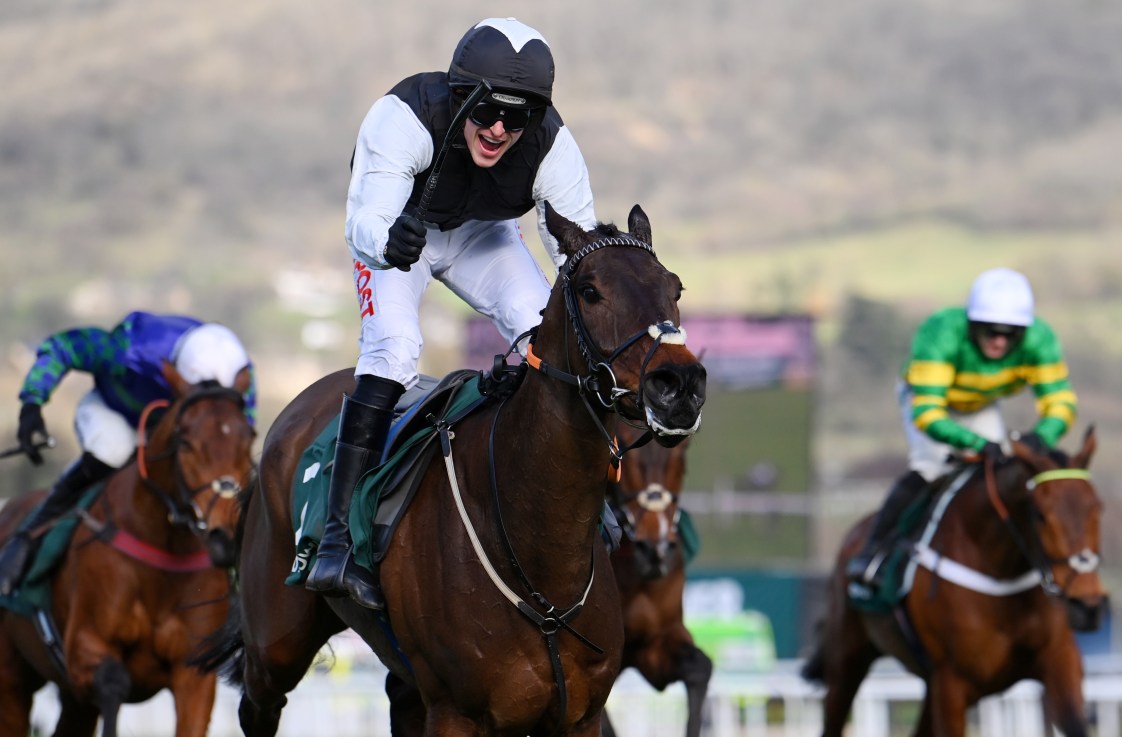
[
  {"x": 312, "y": 479},
  {"x": 919, "y": 521},
  {"x": 34, "y": 592},
  {"x": 895, "y": 583}
]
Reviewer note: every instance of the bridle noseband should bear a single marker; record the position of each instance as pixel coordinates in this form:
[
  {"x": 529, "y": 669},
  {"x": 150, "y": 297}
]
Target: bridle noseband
[
  {"x": 653, "y": 499},
  {"x": 600, "y": 365},
  {"x": 183, "y": 507}
]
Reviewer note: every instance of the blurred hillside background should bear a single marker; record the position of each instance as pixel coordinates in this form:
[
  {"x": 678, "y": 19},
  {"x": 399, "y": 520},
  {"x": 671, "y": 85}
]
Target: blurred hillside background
[{"x": 859, "y": 162}]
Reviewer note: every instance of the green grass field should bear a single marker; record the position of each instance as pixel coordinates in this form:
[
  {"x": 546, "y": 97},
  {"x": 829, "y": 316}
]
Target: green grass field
[{"x": 742, "y": 431}]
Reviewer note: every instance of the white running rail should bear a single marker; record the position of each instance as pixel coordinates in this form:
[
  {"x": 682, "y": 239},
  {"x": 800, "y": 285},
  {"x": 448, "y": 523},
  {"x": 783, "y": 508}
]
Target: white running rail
[{"x": 773, "y": 704}]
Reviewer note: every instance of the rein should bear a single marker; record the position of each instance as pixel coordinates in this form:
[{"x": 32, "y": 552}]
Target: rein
[
  {"x": 1083, "y": 562},
  {"x": 194, "y": 520},
  {"x": 554, "y": 619},
  {"x": 588, "y": 383}
]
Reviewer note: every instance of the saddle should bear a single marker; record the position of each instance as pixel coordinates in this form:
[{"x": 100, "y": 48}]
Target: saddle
[
  {"x": 34, "y": 592},
  {"x": 384, "y": 492},
  {"x": 917, "y": 524}
]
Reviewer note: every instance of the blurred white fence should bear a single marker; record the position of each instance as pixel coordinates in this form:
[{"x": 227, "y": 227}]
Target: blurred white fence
[{"x": 773, "y": 704}]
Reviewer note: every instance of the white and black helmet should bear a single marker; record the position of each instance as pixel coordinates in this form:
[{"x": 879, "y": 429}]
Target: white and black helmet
[{"x": 510, "y": 56}]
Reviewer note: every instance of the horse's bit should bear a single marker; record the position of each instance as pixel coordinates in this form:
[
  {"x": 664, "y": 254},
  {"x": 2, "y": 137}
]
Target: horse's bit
[{"x": 224, "y": 487}]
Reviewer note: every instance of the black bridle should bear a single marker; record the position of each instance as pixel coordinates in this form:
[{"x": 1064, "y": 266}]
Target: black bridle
[
  {"x": 599, "y": 365},
  {"x": 554, "y": 619},
  {"x": 653, "y": 499},
  {"x": 1031, "y": 546},
  {"x": 183, "y": 509}
]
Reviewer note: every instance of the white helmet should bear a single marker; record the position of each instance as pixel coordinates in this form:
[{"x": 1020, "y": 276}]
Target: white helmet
[
  {"x": 1001, "y": 296},
  {"x": 209, "y": 352}
]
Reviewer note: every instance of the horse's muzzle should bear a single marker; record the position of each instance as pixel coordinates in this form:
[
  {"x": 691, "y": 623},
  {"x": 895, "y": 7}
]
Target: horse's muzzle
[
  {"x": 673, "y": 395},
  {"x": 221, "y": 548},
  {"x": 654, "y": 561},
  {"x": 1086, "y": 615}
]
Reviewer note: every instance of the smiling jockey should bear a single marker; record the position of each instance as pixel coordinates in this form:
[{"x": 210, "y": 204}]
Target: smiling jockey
[{"x": 444, "y": 165}]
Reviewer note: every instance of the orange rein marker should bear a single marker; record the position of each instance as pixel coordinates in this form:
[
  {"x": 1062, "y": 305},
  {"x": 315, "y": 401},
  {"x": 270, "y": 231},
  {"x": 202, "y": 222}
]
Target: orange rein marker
[{"x": 142, "y": 434}]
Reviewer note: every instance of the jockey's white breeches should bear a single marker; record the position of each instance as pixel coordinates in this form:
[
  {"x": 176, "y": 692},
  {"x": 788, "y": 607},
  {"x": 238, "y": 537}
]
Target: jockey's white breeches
[{"x": 486, "y": 263}]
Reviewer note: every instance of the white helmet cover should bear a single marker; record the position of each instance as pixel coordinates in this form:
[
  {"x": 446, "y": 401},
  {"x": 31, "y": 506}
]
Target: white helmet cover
[
  {"x": 1001, "y": 296},
  {"x": 210, "y": 352}
]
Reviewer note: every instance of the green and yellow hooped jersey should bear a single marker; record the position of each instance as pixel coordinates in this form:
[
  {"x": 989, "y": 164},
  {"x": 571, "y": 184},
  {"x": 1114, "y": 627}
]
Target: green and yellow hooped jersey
[{"x": 947, "y": 371}]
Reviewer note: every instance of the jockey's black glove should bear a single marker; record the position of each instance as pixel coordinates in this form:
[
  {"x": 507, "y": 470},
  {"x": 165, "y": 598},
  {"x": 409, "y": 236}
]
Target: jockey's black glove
[
  {"x": 1034, "y": 441},
  {"x": 992, "y": 452},
  {"x": 407, "y": 238},
  {"x": 31, "y": 424}
]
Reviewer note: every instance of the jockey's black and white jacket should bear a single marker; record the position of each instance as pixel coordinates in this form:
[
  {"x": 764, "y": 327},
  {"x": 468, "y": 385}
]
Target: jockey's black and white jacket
[{"x": 398, "y": 142}]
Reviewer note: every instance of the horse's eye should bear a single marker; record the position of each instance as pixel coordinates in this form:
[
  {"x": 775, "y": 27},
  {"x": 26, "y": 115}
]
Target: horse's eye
[
  {"x": 588, "y": 293},
  {"x": 678, "y": 296}
]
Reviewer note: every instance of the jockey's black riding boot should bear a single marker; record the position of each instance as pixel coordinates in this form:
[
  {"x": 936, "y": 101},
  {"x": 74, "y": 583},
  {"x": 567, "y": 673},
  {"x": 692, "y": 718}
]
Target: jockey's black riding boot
[
  {"x": 363, "y": 427},
  {"x": 865, "y": 566},
  {"x": 20, "y": 549}
]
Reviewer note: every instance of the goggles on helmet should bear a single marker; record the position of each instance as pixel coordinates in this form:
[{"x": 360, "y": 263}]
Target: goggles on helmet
[
  {"x": 994, "y": 330},
  {"x": 486, "y": 114}
]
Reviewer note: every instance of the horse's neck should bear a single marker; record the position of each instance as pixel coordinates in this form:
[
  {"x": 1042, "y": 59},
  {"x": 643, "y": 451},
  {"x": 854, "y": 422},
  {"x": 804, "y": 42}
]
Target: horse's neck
[
  {"x": 993, "y": 546},
  {"x": 141, "y": 511},
  {"x": 561, "y": 475}
]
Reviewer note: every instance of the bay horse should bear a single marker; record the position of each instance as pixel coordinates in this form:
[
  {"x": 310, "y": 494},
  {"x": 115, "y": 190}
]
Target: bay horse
[
  {"x": 998, "y": 587},
  {"x": 502, "y": 614},
  {"x": 144, "y": 578},
  {"x": 650, "y": 569}
]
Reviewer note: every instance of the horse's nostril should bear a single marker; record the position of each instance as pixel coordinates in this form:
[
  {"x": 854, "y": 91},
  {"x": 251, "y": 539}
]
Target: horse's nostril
[{"x": 220, "y": 548}]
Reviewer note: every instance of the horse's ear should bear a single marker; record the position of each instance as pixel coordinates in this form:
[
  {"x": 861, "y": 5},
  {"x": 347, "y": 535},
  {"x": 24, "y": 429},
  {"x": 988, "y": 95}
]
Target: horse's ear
[
  {"x": 570, "y": 236},
  {"x": 1083, "y": 458},
  {"x": 179, "y": 385},
  {"x": 639, "y": 225}
]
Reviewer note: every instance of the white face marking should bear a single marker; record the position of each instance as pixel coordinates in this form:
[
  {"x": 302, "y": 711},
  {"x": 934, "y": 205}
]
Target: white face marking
[{"x": 225, "y": 429}]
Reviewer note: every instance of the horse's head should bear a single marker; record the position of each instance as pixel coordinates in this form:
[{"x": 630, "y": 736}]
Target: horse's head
[
  {"x": 645, "y": 500},
  {"x": 621, "y": 306},
  {"x": 1066, "y": 511},
  {"x": 208, "y": 441}
]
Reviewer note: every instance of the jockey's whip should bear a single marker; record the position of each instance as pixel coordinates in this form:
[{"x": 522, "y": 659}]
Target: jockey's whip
[
  {"x": 18, "y": 450},
  {"x": 481, "y": 90}
]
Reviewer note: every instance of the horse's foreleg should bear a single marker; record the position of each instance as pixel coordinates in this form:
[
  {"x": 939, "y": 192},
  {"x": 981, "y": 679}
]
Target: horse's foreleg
[
  {"x": 263, "y": 699},
  {"x": 76, "y": 719},
  {"x": 258, "y": 721},
  {"x": 924, "y": 727},
  {"x": 949, "y": 698},
  {"x": 18, "y": 684},
  {"x": 111, "y": 684},
  {"x": 846, "y": 655},
  {"x": 696, "y": 669},
  {"x": 407, "y": 710},
  {"x": 1062, "y": 675},
  {"x": 194, "y": 700}
]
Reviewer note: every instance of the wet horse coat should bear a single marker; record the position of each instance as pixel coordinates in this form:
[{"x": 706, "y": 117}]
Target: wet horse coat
[
  {"x": 532, "y": 647},
  {"x": 1029, "y": 533},
  {"x": 130, "y": 608}
]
